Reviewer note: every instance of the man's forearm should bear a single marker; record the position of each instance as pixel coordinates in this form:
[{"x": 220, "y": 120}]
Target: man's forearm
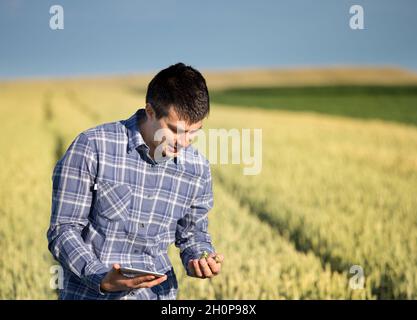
[{"x": 69, "y": 248}]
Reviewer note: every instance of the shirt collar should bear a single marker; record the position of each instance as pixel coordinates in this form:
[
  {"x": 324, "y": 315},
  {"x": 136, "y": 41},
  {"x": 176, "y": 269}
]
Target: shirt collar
[{"x": 135, "y": 139}]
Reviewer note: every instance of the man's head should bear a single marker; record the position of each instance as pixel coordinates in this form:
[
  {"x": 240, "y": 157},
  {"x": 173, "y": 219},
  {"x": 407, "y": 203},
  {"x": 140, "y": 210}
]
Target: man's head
[{"x": 177, "y": 101}]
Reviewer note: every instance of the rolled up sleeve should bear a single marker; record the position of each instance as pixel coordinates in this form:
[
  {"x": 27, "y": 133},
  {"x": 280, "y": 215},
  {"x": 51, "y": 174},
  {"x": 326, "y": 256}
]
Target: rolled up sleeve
[{"x": 192, "y": 237}]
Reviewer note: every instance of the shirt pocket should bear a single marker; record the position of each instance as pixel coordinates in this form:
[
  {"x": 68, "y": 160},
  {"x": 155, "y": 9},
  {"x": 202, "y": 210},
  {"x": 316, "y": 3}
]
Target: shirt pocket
[{"x": 112, "y": 202}]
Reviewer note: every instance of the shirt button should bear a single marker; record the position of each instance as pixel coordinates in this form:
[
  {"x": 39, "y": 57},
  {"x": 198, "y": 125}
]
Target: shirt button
[
  {"x": 142, "y": 225},
  {"x": 131, "y": 237}
]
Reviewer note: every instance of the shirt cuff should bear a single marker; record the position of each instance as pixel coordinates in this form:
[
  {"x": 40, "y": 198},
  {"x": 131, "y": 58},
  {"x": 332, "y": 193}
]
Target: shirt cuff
[{"x": 94, "y": 276}]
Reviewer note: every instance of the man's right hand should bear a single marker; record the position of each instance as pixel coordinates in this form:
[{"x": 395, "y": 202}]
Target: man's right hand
[{"x": 114, "y": 280}]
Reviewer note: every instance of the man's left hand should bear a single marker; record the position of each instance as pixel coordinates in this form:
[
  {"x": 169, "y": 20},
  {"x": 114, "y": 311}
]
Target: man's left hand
[{"x": 206, "y": 267}]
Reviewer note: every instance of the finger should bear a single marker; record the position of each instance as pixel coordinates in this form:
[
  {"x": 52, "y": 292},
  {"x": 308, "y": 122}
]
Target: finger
[
  {"x": 215, "y": 267},
  {"x": 197, "y": 269},
  {"x": 219, "y": 257},
  {"x": 150, "y": 284},
  {"x": 215, "y": 257},
  {"x": 191, "y": 268},
  {"x": 116, "y": 268},
  {"x": 205, "y": 267},
  {"x": 140, "y": 279},
  {"x": 134, "y": 282},
  {"x": 157, "y": 281}
]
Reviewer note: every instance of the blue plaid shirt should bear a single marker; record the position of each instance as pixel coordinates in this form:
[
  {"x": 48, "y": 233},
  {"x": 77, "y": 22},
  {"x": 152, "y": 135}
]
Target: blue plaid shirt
[{"x": 112, "y": 203}]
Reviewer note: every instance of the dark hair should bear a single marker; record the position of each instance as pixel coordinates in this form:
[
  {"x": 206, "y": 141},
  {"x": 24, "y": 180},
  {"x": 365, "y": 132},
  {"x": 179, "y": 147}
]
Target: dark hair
[{"x": 183, "y": 88}]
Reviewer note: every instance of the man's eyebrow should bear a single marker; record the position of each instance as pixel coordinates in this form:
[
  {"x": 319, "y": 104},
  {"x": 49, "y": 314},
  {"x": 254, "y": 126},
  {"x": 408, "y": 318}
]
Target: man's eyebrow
[{"x": 174, "y": 128}]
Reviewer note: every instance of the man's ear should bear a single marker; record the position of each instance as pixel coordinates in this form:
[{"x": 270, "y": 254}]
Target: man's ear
[{"x": 150, "y": 113}]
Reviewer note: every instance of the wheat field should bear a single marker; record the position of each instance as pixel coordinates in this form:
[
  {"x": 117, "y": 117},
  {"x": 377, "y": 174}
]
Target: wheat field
[{"x": 334, "y": 192}]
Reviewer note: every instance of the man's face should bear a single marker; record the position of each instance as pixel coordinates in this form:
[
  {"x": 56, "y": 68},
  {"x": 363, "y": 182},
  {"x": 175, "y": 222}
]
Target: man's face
[{"x": 170, "y": 132}]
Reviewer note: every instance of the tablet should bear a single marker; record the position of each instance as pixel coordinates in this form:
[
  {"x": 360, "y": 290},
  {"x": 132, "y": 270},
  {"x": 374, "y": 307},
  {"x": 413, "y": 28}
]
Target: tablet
[{"x": 134, "y": 272}]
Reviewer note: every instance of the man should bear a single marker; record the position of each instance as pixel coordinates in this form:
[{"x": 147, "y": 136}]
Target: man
[{"x": 124, "y": 191}]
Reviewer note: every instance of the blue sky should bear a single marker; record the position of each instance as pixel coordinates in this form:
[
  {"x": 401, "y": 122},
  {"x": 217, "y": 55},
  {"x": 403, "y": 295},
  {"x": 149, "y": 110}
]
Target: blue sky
[{"x": 117, "y": 37}]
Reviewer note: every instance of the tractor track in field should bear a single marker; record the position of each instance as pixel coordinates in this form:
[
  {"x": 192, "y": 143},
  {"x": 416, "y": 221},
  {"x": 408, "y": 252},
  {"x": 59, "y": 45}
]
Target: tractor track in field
[
  {"x": 49, "y": 118},
  {"x": 279, "y": 226},
  {"x": 82, "y": 107},
  {"x": 48, "y": 115},
  {"x": 301, "y": 241}
]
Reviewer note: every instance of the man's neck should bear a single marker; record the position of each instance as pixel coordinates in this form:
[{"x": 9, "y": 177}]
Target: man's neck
[{"x": 144, "y": 129}]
